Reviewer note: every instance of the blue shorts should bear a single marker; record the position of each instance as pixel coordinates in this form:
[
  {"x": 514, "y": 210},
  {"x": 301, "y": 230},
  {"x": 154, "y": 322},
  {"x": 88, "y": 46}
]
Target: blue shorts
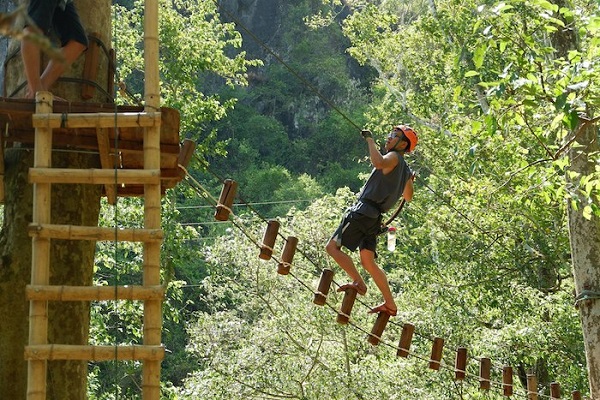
[
  {"x": 47, "y": 15},
  {"x": 358, "y": 231}
]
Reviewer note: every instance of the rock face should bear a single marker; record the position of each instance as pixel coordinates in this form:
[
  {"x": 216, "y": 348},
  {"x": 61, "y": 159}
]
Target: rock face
[{"x": 261, "y": 17}]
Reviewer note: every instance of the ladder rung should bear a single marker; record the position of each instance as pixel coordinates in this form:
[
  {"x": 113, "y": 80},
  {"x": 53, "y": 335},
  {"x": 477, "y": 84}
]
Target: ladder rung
[
  {"x": 94, "y": 293},
  {"x": 74, "y": 232},
  {"x": 93, "y": 353},
  {"x": 94, "y": 176},
  {"x": 95, "y": 120}
]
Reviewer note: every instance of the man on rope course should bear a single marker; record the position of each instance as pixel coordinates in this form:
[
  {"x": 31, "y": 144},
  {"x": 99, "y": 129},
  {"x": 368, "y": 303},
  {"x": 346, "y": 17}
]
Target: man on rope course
[{"x": 390, "y": 179}]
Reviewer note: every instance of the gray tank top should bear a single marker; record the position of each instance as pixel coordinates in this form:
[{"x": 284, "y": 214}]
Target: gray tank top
[{"x": 381, "y": 192}]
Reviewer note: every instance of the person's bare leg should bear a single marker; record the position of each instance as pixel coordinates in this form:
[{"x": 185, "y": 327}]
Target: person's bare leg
[
  {"x": 345, "y": 262},
  {"x": 367, "y": 259},
  {"x": 30, "y": 54},
  {"x": 56, "y": 68}
]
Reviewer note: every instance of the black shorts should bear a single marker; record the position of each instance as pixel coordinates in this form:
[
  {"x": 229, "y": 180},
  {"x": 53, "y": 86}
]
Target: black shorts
[
  {"x": 357, "y": 230},
  {"x": 66, "y": 24}
]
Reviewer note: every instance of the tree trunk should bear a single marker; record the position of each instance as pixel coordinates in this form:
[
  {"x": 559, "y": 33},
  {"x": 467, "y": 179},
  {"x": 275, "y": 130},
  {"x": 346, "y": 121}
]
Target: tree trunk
[
  {"x": 71, "y": 261},
  {"x": 584, "y": 234}
]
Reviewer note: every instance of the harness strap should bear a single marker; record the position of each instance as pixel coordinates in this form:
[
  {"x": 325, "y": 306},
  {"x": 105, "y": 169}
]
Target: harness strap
[{"x": 372, "y": 203}]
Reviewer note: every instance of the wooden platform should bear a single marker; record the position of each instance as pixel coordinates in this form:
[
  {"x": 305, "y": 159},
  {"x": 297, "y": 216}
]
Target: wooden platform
[{"x": 123, "y": 145}]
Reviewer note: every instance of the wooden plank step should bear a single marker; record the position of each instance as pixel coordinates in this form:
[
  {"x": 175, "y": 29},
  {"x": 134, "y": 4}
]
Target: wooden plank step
[
  {"x": 94, "y": 293},
  {"x": 93, "y": 353},
  {"x": 94, "y": 176},
  {"x": 75, "y": 232},
  {"x": 95, "y": 120}
]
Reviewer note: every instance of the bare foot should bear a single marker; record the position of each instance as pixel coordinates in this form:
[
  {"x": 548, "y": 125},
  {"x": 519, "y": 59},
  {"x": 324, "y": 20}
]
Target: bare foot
[
  {"x": 30, "y": 96},
  {"x": 360, "y": 287},
  {"x": 384, "y": 308}
]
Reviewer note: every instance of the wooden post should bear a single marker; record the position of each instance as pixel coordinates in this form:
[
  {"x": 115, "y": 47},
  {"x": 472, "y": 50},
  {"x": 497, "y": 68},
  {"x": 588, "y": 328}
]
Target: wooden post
[
  {"x": 90, "y": 67},
  {"x": 1, "y": 171},
  {"x": 283, "y": 268},
  {"x": 110, "y": 82},
  {"x": 555, "y": 391},
  {"x": 226, "y": 200},
  {"x": 575, "y": 395},
  {"x": 485, "y": 367},
  {"x": 40, "y": 249},
  {"x": 436, "y": 353},
  {"x": 324, "y": 285},
  {"x": 460, "y": 365},
  {"x": 152, "y": 201},
  {"x": 347, "y": 304},
  {"x": 268, "y": 242},
  {"x": 405, "y": 340},
  {"x": 507, "y": 380},
  {"x": 532, "y": 387},
  {"x": 378, "y": 328}
]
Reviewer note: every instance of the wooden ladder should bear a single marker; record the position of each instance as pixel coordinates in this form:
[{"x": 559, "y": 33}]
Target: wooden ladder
[
  {"x": 42, "y": 231},
  {"x": 42, "y": 176}
]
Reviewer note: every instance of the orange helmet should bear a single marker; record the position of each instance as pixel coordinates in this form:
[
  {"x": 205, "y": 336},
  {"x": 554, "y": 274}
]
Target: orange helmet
[{"x": 410, "y": 135}]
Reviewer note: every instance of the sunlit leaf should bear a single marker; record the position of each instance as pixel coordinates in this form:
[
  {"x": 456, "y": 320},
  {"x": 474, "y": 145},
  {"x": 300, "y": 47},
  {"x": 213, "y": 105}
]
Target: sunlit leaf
[{"x": 479, "y": 55}]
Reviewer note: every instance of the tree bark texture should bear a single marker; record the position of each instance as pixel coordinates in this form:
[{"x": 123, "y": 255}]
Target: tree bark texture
[
  {"x": 584, "y": 237},
  {"x": 584, "y": 234},
  {"x": 71, "y": 261}
]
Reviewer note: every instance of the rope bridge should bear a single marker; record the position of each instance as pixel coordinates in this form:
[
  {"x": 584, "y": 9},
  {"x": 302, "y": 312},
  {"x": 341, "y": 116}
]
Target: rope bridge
[{"x": 223, "y": 212}]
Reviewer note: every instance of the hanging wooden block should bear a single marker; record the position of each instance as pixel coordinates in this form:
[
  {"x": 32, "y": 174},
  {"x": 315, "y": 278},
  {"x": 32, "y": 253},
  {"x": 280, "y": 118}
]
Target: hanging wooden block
[
  {"x": 507, "y": 381},
  {"x": 378, "y": 328},
  {"x": 405, "y": 340},
  {"x": 460, "y": 365},
  {"x": 436, "y": 353},
  {"x": 226, "y": 200},
  {"x": 324, "y": 285},
  {"x": 283, "y": 268},
  {"x": 575, "y": 395},
  {"x": 532, "y": 387},
  {"x": 555, "y": 390},
  {"x": 347, "y": 304},
  {"x": 485, "y": 367},
  {"x": 185, "y": 155},
  {"x": 268, "y": 242}
]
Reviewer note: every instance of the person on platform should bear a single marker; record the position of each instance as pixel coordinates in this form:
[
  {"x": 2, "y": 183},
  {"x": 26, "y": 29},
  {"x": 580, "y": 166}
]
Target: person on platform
[
  {"x": 62, "y": 17},
  {"x": 390, "y": 180}
]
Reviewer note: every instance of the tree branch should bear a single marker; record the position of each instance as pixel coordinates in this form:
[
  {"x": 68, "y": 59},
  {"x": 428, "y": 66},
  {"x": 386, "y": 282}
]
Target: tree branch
[{"x": 576, "y": 134}]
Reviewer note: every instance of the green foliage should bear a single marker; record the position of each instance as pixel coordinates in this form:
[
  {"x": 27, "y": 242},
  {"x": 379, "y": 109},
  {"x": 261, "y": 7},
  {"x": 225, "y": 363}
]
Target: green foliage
[
  {"x": 194, "y": 46},
  {"x": 264, "y": 337},
  {"x": 285, "y": 116},
  {"x": 492, "y": 213},
  {"x": 537, "y": 95},
  {"x": 483, "y": 257}
]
